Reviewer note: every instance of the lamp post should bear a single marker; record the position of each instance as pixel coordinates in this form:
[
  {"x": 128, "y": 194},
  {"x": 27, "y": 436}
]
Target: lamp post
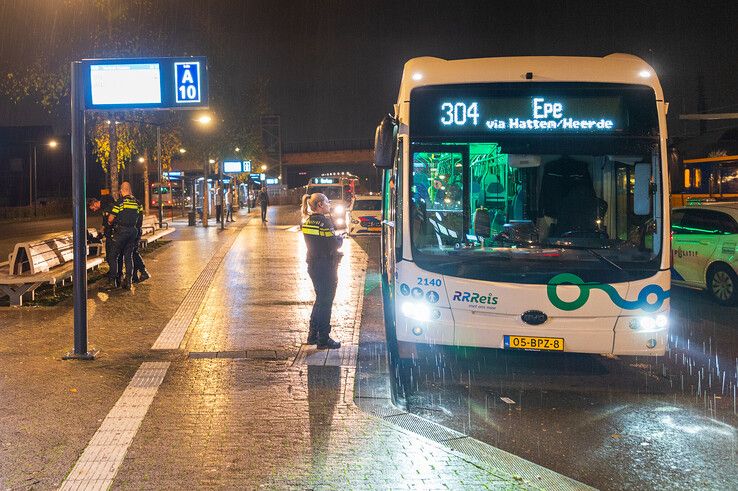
[
  {"x": 205, "y": 120},
  {"x": 34, "y": 186}
]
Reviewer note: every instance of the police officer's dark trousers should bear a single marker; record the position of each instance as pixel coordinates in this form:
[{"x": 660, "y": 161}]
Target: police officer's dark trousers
[
  {"x": 138, "y": 263},
  {"x": 124, "y": 241},
  {"x": 263, "y": 213},
  {"x": 323, "y": 273}
]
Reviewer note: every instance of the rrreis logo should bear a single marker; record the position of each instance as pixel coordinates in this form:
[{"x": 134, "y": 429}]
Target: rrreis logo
[{"x": 476, "y": 300}]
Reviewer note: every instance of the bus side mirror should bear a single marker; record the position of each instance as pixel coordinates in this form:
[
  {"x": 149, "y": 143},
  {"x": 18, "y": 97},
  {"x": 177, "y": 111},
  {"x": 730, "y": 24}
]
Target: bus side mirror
[
  {"x": 384, "y": 143},
  {"x": 642, "y": 189}
]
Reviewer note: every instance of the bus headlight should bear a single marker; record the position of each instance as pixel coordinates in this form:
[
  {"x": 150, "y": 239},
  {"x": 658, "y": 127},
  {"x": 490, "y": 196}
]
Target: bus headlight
[
  {"x": 339, "y": 209},
  {"x": 416, "y": 310},
  {"x": 650, "y": 323}
]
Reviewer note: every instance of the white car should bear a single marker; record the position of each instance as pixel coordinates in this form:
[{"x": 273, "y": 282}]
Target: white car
[
  {"x": 705, "y": 249},
  {"x": 365, "y": 215}
]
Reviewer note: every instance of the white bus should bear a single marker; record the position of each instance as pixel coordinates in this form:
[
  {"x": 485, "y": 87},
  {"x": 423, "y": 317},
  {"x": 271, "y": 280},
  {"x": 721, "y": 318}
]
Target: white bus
[{"x": 526, "y": 205}]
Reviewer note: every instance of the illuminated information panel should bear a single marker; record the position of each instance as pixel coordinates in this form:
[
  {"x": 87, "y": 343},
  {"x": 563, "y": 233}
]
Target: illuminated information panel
[
  {"x": 532, "y": 109},
  {"x": 146, "y": 83},
  {"x": 233, "y": 166},
  {"x": 126, "y": 83}
]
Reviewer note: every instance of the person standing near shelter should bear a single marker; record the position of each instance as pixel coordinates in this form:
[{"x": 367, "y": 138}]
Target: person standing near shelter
[
  {"x": 323, "y": 256},
  {"x": 229, "y": 204},
  {"x": 218, "y": 202},
  {"x": 126, "y": 218},
  {"x": 264, "y": 202}
]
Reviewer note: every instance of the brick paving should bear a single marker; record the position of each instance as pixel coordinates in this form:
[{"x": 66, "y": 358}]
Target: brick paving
[{"x": 228, "y": 414}]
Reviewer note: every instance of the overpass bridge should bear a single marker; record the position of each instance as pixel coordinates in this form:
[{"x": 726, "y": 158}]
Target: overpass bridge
[{"x": 303, "y": 160}]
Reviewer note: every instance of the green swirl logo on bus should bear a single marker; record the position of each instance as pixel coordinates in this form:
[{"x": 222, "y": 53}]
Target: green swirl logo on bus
[{"x": 641, "y": 303}]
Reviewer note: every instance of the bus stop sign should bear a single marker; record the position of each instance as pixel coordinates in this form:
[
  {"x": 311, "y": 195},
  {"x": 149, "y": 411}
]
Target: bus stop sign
[{"x": 145, "y": 83}]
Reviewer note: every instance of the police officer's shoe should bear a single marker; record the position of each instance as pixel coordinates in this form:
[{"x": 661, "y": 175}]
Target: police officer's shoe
[
  {"x": 126, "y": 284},
  {"x": 329, "y": 344},
  {"x": 142, "y": 276},
  {"x": 111, "y": 285}
]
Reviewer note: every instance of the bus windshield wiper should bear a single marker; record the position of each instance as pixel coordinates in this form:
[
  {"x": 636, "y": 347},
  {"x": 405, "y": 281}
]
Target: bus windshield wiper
[{"x": 605, "y": 260}]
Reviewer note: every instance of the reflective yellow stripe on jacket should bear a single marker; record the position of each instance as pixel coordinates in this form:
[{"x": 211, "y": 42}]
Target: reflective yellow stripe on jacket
[{"x": 309, "y": 229}]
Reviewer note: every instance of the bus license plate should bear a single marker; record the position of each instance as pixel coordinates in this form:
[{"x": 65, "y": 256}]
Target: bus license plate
[{"x": 534, "y": 343}]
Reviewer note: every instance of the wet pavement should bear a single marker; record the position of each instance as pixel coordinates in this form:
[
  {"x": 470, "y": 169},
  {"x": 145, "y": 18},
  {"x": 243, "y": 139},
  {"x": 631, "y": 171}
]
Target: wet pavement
[
  {"x": 241, "y": 403},
  {"x": 610, "y": 422},
  {"x": 237, "y": 401}
]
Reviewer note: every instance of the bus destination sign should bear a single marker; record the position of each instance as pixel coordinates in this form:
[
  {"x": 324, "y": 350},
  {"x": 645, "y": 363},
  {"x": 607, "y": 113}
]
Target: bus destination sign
[{"x": 463, "y": 111}]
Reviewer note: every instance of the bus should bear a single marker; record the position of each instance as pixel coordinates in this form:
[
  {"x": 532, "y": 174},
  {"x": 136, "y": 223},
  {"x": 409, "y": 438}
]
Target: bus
[
  {"x": 525, "y": 206},
  {"x": 340, "y": 189},
  {"x": 171, "y": 194},
  {"x": 711, "y": 178}
]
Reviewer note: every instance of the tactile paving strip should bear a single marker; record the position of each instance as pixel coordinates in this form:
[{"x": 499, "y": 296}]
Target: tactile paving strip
[
  {"x": 98, "y": 464},
  {"x": 173, "y": 333}
]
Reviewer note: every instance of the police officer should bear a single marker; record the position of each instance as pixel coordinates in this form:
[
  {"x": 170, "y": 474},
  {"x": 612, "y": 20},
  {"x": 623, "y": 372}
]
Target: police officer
[
  {"x": 323, "y": 257},
  {"x": 126, "y": 218},
  {"x": 104, "y": 205},
  {"x": 139, "y": 268}
]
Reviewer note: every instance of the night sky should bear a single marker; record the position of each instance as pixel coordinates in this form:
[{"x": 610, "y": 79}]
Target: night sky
[{"x": 332, "y": 68}]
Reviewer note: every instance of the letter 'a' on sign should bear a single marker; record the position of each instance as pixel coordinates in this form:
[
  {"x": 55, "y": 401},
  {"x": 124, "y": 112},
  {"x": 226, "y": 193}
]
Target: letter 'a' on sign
[{"x": 187, "y": 76}]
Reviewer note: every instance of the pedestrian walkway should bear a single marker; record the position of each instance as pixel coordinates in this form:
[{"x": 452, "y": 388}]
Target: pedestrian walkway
[{"x": 238, "y": 402}]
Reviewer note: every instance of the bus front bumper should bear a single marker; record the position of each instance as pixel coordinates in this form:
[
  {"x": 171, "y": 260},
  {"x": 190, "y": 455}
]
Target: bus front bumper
[{"x": 605, "y": 335}]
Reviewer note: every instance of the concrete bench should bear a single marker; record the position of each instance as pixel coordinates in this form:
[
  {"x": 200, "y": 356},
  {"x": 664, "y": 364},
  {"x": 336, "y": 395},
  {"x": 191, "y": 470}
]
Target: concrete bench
[
  {"x": 40, "y": 262},
  {"x": 151, "y": 231}
]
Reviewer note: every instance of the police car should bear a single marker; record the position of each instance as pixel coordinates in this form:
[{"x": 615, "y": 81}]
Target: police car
[
  {"x": 365, "y": 215},
  {"x": 705, "y": 249}
]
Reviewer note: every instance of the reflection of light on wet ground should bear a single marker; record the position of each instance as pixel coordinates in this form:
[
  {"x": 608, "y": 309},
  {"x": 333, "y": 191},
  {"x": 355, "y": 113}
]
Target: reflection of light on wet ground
[{"x": 717, "y": 427}]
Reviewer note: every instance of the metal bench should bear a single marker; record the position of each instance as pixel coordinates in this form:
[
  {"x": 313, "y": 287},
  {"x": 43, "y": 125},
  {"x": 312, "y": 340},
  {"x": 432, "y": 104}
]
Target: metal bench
[
  {"x": 40, "y": 262},
  {"x": 151, "y": 231}
]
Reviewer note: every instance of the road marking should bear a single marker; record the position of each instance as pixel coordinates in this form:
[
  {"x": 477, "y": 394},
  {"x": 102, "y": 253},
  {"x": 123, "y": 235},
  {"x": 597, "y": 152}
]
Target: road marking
[
  {"x": 99, "y": 463},
  {"x": 173, "y": 333}
]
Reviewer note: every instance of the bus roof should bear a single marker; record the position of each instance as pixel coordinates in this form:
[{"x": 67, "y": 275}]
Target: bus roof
[{"x": 614, "y": 68}]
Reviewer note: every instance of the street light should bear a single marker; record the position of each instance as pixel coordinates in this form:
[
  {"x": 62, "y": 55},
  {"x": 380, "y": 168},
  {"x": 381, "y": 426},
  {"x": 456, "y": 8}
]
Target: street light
[
  {"x": 141, "y": 160},
  {"x": 34, "y": 189},
  {"x": 238, "y": 149},
  {"x": 263, "y": 167},
  {"x": 204, "y": 119},
  {"x": 182, "y": 150}
]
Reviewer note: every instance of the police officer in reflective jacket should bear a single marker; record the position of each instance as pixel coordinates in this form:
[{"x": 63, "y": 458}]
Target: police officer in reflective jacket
[
  {"x": 126, "y": 218},
  {"x": 323, "y": 257}
]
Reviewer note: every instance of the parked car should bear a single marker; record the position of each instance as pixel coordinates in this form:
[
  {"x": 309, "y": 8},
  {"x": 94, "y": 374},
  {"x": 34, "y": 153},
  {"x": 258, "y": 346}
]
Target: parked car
[
  {"x": 705, "y": 249},
  {"x": 365, "y": 215}
]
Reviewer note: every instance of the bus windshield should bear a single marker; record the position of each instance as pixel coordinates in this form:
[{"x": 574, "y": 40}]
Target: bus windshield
[{"x": 524, "y": 208}]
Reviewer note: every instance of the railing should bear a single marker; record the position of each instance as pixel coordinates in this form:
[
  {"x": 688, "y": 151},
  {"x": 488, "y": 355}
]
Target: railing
[
  {"x": 286, "y": 196},
  {"x": 328, "y": 145},
  {"x": 47, "y": 208}
]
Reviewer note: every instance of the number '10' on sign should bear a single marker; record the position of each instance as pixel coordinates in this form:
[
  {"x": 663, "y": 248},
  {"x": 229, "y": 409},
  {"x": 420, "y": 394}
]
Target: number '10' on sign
[{"x": 188, "y": 82}]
